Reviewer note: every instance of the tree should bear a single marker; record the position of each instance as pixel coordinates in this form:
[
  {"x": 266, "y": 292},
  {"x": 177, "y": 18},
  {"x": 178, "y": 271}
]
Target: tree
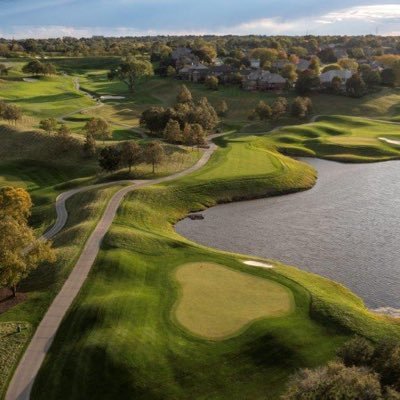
[
  {"x": 335, "y": 381},
  {"x": 20, "y": 251},
  {"x": 130, "y": 70},
  {"x": 386, "y": 362},
  {"x": 98, "y": 127},
  {"x": 171, "y": 71},
  {"x": 49, "y": 125},
  {"x": 36, "y": 67},
  {"x": 349, "y": 63},
  {"x": 222, "y": 108},
  {"x": 315, "y": 65},
  {"x": 301, "y": 107},
  {"x": 355, "y": 86},
  {"x": 187, "y": 135},
  {"x": 110, "y": 158},
  {"x": 154, "y": 154},
  {"x": 336, "y": 85},
  {"x": 184, "y": 95},
  {"x": 204, "y": 114},
  {"x": 65, "y": 137},
  {"x": 4, "y": 70},
  {"x": 12, "y": 113},
  {"x": 357, "y": 352},
  {"x": 154, "y": 118},
  {"x": 371, "y": 78},
  {"x": 198, "y": 137},
  {"x": 89, "y": 147},
  {"x": 212, "y": 82},
  {"x": 172, "y": 132},
  {"x": 388, "y": 77},
  {"x": 279, "y": 107},
  {"x": 263, "y": 110},
  {"x": 306, "y": 82},
  {"x": 289, "y": 72},
  {"x": 131, "y": 154}
]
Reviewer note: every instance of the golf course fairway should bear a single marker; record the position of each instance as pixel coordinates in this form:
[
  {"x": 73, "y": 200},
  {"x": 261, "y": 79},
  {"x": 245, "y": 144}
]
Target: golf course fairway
[{"x": 217, "y": 302}]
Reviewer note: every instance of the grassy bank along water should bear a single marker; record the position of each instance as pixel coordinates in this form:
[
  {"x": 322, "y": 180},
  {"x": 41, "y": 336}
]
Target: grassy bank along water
[{"x": 119, "y": 339}]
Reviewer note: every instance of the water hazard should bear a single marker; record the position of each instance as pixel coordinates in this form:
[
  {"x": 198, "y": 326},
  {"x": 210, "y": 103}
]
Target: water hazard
[{"x": 346, "y": 228}]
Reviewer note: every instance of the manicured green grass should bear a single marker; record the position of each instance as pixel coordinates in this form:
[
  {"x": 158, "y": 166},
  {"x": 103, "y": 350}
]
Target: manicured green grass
[
  {"x": 340, "y": 138},
  {"x": 47, "y": 97},
  {"x": 119, "y": 340},
  {"x": 216, "y": 302},
  {"x": 13, "y": 338}
]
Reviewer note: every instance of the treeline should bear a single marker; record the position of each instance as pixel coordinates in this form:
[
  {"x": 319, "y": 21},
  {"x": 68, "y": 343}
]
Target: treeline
[{"x": 223, "y": 45}]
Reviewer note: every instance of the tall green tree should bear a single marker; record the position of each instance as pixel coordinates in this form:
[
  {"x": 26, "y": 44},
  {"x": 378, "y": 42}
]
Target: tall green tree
[
  {"x": 130, "y": 70},
  {"x": 131, "y": 154}
]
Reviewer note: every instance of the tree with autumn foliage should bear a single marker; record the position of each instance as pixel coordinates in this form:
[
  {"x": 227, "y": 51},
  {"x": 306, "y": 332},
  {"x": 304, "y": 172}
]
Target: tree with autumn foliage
[{"x": 20, "y": 251}]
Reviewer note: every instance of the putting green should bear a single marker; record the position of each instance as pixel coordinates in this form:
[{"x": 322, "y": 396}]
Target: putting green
[{"x": 217, "y": 302}]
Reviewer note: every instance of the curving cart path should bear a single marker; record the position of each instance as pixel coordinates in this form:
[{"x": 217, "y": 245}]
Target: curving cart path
[{"x": 21, "y": 384}]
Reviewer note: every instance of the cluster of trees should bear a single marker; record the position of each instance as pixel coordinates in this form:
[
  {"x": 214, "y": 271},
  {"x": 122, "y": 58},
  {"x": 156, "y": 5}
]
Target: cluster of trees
[
  {"x": 36, "y": 67},
  {"x": 130, "y": 154},
  {"x": 189, "y": 115},
  {"x": 362, "y": 371},
  {"x": 63, "y": 134},
  {"x": 20, "y": 251},
  {"x": 10, "y": 112},
  {"x": 4, "y": 70},
  {"x": 300, "y": 108}
]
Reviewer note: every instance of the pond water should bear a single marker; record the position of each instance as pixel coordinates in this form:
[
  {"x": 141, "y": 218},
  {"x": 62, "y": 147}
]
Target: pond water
[{"x": 346, "y": 228}]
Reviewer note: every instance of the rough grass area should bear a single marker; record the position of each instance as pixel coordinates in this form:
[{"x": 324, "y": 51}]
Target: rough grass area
[
  {"x": 340, "y": 138},
  {"x": 216, "y": 302},
  {"x": 13, "y": 338}
]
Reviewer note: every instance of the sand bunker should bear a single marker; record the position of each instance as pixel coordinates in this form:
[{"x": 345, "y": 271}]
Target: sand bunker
[
  {"x": 391, "y": 312},
  {"x": 112, "y": 97},
  {"x": 257, "y": 264},
  {"x": 390, "y": 141},
  {"x": 30, "y": 80}
]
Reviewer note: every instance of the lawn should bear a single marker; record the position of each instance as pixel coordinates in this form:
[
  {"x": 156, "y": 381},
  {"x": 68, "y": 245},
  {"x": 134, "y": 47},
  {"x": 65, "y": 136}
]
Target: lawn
[
  {"x": 340, "y": 138},
  {"x": 216, "y": 302},
  {"x": 119, "y": 339}
]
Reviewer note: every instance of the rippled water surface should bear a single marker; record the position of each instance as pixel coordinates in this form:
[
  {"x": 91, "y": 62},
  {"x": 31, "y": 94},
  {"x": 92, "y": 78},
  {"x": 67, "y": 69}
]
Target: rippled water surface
[{"x": 346, "y": 228}]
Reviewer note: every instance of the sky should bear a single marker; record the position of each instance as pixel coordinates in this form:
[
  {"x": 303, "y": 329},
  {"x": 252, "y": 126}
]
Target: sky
[{"x": 84, "y": 18}]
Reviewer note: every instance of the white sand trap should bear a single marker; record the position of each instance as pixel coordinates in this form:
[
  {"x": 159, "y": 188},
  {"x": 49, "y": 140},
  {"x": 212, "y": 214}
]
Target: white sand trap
[
  {"x": 391, "y": 312},
  {"x": 390, "y": 141},
  {"x": 30, "y": 80},
  {"x": 257, "y": 264},
  {"x": 112, "y": 97}
]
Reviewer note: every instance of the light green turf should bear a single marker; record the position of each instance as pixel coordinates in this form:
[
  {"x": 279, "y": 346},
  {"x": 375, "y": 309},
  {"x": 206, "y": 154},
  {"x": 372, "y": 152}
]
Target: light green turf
[
  {"x": 340, "y": 138},
  {"x": 216, "y": 302},
  {"x": 47, "y": 97}
]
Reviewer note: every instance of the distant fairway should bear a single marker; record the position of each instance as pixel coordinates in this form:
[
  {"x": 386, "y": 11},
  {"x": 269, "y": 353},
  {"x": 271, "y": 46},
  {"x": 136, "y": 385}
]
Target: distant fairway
[{"x": 217, "y": 302}]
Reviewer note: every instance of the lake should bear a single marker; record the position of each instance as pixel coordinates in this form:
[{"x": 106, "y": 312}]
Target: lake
[{"x": 346, "y": 228}]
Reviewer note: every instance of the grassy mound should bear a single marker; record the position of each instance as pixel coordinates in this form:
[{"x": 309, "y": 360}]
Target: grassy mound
[
  {"x": 217, "y": 302},
  {"x": 347, "y": 139}
]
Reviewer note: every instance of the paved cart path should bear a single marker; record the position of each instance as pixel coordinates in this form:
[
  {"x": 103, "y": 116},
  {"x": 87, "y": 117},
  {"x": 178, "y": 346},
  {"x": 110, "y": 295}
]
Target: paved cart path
[{"x": 25, "y": 374}]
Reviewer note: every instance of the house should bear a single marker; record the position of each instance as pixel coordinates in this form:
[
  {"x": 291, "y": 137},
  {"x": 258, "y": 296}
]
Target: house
[
  {"x": 280, "y": 64},
  {"x": 255, "y": 63},
  {"x": 194, "y": 73},
  {"x": 327, "y": 77},
  {"x": 263, "y": 80},
  {"x": 303, "y": 65},
  {"x": 222, "y": 72},
  {"x": 340, "y": 52},
  {"x": 183, "y": 56}
]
